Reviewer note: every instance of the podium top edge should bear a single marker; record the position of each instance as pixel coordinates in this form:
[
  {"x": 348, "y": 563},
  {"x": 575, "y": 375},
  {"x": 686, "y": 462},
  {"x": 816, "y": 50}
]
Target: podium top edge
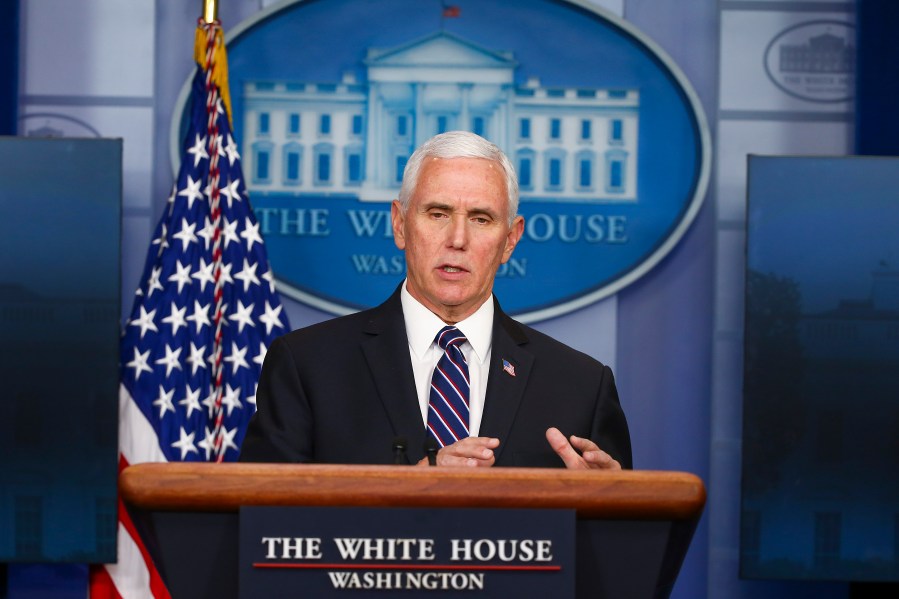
[{"x": 630, "y": 494}]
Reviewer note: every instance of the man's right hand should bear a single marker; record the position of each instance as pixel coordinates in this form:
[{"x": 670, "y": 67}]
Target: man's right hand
[
  {"x": 471, "y": 452},
  {"x": 579, "y": 453}
]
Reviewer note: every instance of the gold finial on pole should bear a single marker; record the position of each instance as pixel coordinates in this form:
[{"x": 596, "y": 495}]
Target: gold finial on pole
[{"x": 210, "y": 10}]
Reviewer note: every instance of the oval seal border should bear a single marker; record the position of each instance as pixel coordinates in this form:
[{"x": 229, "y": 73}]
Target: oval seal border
[
  {"x": 791, "y": 92},
  {"x": 692, "y": 203}
]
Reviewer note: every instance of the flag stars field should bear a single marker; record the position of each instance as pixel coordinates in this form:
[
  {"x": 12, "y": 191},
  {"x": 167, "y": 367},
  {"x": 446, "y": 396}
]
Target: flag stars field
[
  {"x": 185, "y": 443},
  {"x": 188, "y": 351}
]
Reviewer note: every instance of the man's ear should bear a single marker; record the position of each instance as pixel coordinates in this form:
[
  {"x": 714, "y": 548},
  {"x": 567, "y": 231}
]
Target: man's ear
[
  {"x": 398, "y": 219},
  {"x": 513, "y": 237}
]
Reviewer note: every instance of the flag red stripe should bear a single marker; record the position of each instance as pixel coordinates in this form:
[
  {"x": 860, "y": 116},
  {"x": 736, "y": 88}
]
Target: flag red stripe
[
  {"x": 157, "y": 586},
  {"x": 101, "y": 585}
]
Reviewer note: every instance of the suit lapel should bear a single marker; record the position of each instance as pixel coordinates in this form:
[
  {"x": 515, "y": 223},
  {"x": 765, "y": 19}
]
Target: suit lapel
[
  {"x": 505, "y": 383},
  {"x": 386, "y": 351}
]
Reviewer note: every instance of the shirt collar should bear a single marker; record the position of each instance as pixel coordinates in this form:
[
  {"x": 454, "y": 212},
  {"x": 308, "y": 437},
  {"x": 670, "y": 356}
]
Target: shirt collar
[{"x": 422, "y": 326}]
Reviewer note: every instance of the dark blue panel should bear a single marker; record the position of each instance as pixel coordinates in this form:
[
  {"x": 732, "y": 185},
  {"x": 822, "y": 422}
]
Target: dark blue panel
[
  {"x": 877, "y": 82},
  {"x": 59, "y": 332},
  {"x": 47, "y": 581},
  {"x": 821, "y": 377},
  {"x": 9, "y": 66}
]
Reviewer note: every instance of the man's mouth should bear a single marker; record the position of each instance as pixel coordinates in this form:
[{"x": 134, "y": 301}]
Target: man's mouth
[{"x": 447, "y": 268}]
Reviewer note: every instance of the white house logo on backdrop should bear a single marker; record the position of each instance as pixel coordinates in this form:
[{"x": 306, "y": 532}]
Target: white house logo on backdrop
[
  {"x": 429, "y": 86},
  {"x": 814, "y": 61},
  {"x": 608, "y": 140}
]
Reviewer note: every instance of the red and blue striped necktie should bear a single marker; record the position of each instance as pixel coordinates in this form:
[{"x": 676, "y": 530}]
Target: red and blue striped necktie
[{"x": 448, "y": 404}]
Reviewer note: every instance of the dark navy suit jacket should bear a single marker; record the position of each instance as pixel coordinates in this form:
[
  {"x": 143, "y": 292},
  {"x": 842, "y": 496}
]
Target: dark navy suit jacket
[{"x": 341, "y": 391}]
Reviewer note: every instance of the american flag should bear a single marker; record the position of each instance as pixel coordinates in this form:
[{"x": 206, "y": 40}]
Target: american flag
[{"x": 204, "y": 313}]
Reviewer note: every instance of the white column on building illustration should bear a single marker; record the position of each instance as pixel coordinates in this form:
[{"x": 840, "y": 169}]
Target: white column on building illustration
[
  {"x": 464, "y": 113},
  {"x": 418, "y": 126},
  {"x": 504, "y": 127},
  {"x": 372, "y": 137}
]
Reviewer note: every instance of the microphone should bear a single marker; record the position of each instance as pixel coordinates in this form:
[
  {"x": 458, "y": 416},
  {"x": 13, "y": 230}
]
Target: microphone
[
  {"x": 399, "y": 450},
  {"x": 431, "y": 450}
]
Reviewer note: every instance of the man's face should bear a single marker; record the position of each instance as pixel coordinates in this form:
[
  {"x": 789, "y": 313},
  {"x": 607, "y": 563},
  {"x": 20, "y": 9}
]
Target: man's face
[{"x": 455, "y": 233}]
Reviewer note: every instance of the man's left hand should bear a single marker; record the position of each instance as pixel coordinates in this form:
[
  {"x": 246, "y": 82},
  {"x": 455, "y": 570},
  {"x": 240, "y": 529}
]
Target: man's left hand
[{"x": 579, "y": 453}]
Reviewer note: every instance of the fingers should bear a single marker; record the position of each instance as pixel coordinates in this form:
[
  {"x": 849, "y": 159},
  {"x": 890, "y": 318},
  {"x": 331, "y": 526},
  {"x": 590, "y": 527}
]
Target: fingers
[
  {"x": 564, "y": 449},
  {"x": 600, "y": 460},
  {"x": 471, "y": 452},
  {"x": 579, "y": 453}
]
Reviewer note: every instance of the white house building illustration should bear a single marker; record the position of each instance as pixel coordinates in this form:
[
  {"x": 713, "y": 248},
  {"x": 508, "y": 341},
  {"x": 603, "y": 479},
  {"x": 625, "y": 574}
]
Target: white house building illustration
[{"x": 353, "y": 138}]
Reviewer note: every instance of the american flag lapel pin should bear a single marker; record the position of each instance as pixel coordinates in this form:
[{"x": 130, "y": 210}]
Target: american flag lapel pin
[{"x": 508, "y": 368}]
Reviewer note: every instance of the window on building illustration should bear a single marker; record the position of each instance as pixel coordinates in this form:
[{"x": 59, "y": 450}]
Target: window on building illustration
[
  {"x": 442, "y": 122},
  {"x": 525, "y": 163},
  {"x": 616, "y": 175},
  {"x": 354, "y": 171},
  {"x": 262, "y": 162},
  {"x": 584, "y": 163},
  {"x": 586, "y": 129},
  {"x": 292, "y": 163},
  {"x": 262, "y": 166},
  {"x": 616, "y": 131},
  {"x": 264, "y": 123},
  {"x": 524, "y": 173},
  {"x": 555, "y": 172},
  {"x": 524, "y": 128},
  {"x": 324, "y": 124},
  {"x": 292, "y": 174},
  {"x": 354, "y": 168},
  {"x": 828, "y": 539},
  {"x": 585, "y": 173},
  {"x": 555, "y": 129},
  {"x": 615, "y": 171},
  {"x": 357, "y": 124},
  {"x": 401, "y": 161},
  {"x": 324, "y": 168},
  {"x": 402, "y": 125},
  {"x": 323, "y": 164},
  {"x": 555, "y": 165},
  {"x": 293, "y": 124},
  {"x": 477, "y": 125}
]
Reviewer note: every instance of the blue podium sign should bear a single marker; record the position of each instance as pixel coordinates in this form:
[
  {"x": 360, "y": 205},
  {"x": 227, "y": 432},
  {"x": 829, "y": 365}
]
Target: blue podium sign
[
  {"x": 378, "y": 552},
  {"x": 330, "y": 98}
]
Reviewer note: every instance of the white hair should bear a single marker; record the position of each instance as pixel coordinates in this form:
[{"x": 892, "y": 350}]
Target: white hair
[{"x": 459, "y": 144}]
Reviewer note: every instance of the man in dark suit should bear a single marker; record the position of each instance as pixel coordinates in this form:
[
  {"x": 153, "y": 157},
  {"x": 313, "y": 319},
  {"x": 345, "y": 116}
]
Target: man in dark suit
[{"x": 345, "y": 390}]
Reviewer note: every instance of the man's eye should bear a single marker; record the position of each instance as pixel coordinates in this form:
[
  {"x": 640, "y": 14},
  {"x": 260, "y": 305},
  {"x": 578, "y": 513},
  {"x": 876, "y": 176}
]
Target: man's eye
[{"x": 480, "y": 220}]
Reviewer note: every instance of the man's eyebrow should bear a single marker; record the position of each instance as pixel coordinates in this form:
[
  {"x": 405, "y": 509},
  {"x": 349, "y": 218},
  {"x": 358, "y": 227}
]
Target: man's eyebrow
[
  {"x": 477, "y": 210},
  {"x": 483, "y": 211},
  {"x": 436, "y": 206}
]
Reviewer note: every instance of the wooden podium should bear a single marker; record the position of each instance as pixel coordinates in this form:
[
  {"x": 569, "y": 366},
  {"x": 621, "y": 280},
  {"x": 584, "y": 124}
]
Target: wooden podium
[{"x": 632, "y": 532}]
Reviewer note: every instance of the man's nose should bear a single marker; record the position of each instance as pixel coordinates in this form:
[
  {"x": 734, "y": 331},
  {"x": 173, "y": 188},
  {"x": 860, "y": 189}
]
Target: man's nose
[{"x": 458, "y": 233}]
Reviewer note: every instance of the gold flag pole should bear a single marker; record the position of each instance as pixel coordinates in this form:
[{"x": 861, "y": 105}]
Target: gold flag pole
[
  {"x": 203, "y": 45},
  {"x": 210, "y": 10}
]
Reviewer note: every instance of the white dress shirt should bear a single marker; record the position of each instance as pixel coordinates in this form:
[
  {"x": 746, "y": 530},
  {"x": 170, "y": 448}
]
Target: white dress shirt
[{"x": 422, "y": 327}]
